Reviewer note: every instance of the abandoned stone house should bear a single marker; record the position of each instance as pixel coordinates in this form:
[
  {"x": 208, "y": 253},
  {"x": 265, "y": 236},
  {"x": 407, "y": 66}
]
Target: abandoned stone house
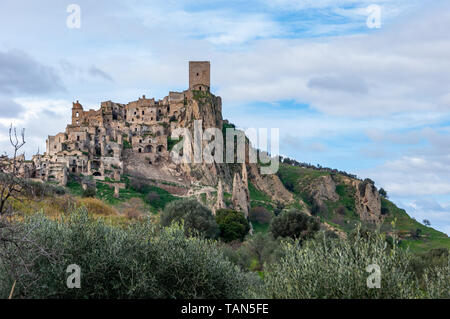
[{"x": 95, "y": 142}]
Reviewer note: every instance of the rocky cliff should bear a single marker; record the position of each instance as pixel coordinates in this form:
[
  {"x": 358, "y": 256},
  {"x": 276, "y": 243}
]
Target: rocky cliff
[{"x": 335, "y": 196}]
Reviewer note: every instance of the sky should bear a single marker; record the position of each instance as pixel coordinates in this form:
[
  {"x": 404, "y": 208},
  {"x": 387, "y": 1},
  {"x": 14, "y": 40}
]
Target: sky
[{"x": 374, "y": 102}]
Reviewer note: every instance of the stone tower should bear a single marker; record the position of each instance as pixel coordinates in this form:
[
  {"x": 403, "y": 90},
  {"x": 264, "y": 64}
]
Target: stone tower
[
  {"x": 199, "y": 75},
  {"x": 77, "y": 113}
]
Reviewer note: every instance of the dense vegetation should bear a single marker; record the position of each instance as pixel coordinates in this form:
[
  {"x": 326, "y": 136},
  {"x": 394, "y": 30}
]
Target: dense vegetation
[
  {"x": 342, "y": 215},
  {"x": 143, "y": 260},
  {"x": 137, "y": 261},
  {"x": 330, "y": 268}
]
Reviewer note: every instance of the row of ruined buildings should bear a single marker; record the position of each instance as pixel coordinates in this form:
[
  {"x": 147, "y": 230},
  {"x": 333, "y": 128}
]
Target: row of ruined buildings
[
  {"x": 133, "y": 139},
  {"x": 94, "y": 142}
]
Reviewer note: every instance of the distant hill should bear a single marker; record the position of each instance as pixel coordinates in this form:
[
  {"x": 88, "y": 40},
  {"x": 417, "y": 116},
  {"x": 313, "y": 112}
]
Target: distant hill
[{"x": 343, "y": 201}]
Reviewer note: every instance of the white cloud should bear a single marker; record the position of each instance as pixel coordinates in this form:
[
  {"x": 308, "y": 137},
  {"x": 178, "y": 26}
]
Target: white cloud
[
  {"x": 21, "y": 74},
  {"x": 9, "y": 108},
  {"x": 323, "y": 4},
  {"x": 392, "y": 76},
  {"x": 413, "y": 176},
  {"x": 96, "y": 72},
  {"x": 218, "y": 26},
  {"x": 42, "y": 117}
]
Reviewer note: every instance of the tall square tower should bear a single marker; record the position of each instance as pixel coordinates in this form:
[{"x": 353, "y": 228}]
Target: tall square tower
[{"x": 199, "y": 75}]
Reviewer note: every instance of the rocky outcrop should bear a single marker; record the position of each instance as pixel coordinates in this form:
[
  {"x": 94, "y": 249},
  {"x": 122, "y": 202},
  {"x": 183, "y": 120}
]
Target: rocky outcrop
[
  {"x": 207, "y": 108},
  {"x": 367, "y": 199},
  {"x": 270, "y": 185},
  {"x": 220, "y": 202},
  {"x": 240, "y": 197},
  {"x": 324, "y": 189},
  {"x": 367, "y": 202}
]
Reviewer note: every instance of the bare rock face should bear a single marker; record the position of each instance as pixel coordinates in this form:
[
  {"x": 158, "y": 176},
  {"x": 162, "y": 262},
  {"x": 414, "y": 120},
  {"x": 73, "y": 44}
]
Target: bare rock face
[
  {"x": 164, "y": 170},
  {"x": 270, "y": 185},
  {"x": 335, "y": 230},
  {"x": 367, "y": 199},
  {"x": 324, "y": 189},
  {"x": 206, "y": 108},
  {"x": 208, "y": 174},
  {"x": 240, "y": 197},
  {"x": 368, "y": 202},
  {"x": 220, "y": 202},
  {"x": 245, "y": 177}
]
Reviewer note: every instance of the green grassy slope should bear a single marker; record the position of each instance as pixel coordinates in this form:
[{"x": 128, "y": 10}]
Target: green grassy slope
[
  {"x": 260, "y": 199},
  {"x": 406, "y": 226},
  {"x": 106, "y": 193}
]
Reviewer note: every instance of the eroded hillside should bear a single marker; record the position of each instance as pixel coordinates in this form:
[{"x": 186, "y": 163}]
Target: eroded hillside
[{"x": 343, "y": 202}]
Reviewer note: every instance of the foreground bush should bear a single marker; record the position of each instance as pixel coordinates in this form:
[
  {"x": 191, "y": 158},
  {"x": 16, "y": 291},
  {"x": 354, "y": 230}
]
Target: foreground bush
[
  {"x": 196, "y": 217},
  {"x": 336, "y": 268},
  {"x": 134, "y": 262},
  {"x": 436, "y": 281}
]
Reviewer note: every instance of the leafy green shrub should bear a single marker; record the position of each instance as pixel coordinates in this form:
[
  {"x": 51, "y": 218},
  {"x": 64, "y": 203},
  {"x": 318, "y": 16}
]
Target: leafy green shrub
[
  {"x": 89, "y": 192},
  {"x": 260, "y": 214},
  {"x": 278, "y": 209},
  {"x": 336, "y": 268},
  {"x": 153, "y": 197},
  {"x": 232, "y": 224},
  {"x": 432, "y": 258},
  {"x": 437, "y": 281},
  {"x": 137, "y": 261},
  {"x": 294, "y": 224},
  {"x": 237, "y": 254},
  {"x": 196, "y": 217},
  {"x": 126, "y": 144},
  {"x": 383, "y": 193}
]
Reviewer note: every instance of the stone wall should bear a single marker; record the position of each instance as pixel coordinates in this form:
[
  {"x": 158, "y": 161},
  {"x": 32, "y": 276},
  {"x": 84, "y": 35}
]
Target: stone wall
[{"x": 199, "y": 75}]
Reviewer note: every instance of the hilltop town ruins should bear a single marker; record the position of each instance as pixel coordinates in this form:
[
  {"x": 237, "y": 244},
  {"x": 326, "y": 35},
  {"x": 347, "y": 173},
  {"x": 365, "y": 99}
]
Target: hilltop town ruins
[{"x": 134, "y": 139}]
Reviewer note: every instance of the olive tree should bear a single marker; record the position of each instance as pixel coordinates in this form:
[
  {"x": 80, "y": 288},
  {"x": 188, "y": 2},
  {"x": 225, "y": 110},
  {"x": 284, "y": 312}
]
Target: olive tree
[
  {"x": 196, "y": 217},
  {"x": 294, "y": 224}
]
